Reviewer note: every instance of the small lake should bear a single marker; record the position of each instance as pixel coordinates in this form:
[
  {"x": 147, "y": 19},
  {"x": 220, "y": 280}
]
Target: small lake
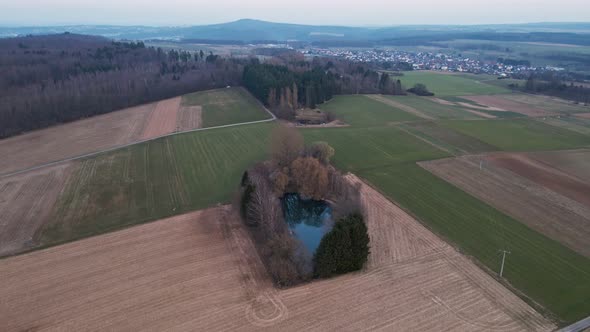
[{"x": 308, "y": 220}]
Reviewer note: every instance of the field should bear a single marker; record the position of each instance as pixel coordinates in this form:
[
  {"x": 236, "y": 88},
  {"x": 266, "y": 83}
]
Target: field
[
  {"x": 185, "y": 172},
  {"x": 520, "y": 134},
  {"x": 362, "y": 111},
  {"x": 501, "y": 103},
  {"x": 225, "y": 106},
  {"x": 546, "y": 175},
  {"x": 127, "y": 126},
  {"x": 154, "y": 180},
  {"x": 26, "y": 201},
  {"x": 550, "y": 104},
  {"x": 574, "y": 162},
  {"x": 199, "y": 271},
  {"x": 434, "y": 109},
  {"x": 449, "y": 84},
  {"x": 544, "y": 210}
]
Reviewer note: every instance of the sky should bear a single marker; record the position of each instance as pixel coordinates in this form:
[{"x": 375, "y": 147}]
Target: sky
[{"x": 319, "y": 12}]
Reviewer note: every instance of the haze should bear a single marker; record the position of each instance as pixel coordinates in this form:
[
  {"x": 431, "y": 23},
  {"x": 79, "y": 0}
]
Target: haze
[{"x": 343, "y": 12}]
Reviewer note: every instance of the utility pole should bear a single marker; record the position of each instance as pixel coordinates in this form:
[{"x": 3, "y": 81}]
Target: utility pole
[{"x": 504, "y": 252}]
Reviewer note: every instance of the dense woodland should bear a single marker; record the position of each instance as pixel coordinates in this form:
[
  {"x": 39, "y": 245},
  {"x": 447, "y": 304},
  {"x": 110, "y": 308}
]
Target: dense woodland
[
  {"x": 291, "y": 83},
  {"x": 45, "y": 80}
]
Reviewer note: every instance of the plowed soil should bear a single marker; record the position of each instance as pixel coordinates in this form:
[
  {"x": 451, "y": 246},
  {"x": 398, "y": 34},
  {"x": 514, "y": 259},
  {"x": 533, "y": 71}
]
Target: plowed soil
[
  {"x": 162, "y": 119},
  {"x": 545, "y": 175},
  {"x": 26, "y": 201},
  {"x": 189, "y": 117},
  {"x": 544, "y": 210},
  {"x": 200, "y": 271}
]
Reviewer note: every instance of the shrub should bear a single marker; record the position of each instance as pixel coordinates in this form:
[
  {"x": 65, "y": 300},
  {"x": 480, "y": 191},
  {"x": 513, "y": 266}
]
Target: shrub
[
  {"x": 310, "y": 177},
  {"x": 344, "y": 249},
  {"x": 322, "y": 151},
  {"x": 420, "y": 90}
]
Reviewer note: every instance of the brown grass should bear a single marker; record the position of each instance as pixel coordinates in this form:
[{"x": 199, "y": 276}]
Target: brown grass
[
  {"x": 573, "y": 162},
  {"x": 26, "y": 202},
  {"x": 542, "y": 209},
  {"x": 189, "y": 117},
  {"x": 583, "y": 115},
  {"x": 200, "y": 271},
  {"x": 500, "y": 103}
]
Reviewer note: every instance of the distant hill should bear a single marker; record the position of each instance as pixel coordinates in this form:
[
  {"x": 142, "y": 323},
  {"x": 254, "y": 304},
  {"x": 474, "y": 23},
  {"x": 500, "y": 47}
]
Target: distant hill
[{"x": 248, "y": 30}]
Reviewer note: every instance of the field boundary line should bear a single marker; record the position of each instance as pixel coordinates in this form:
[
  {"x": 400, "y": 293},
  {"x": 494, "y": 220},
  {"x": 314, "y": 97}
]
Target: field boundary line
[{"x": 95, "y": 153}]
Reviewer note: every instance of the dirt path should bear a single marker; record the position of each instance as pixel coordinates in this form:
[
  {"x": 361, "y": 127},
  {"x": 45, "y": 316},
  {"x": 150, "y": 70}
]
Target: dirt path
[{"x": 400, "y": 106}]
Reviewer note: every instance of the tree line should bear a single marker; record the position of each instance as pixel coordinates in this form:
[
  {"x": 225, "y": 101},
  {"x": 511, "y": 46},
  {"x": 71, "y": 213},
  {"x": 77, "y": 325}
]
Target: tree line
[
  {"x": 552, "y": 85},
  {"x": 288, "y": 84},
  {"x": 47, "y": 80}
]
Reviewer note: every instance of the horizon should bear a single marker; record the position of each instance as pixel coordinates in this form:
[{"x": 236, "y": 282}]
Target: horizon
[
  {"x": 372, "y": 13},
  {"x": 291, "y": 23}
]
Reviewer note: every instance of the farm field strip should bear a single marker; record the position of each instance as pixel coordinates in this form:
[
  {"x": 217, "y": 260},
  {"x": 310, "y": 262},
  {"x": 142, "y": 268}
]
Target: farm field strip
[
  {"x": 573, "y": 123},
  {"x": 546, "y": 211},
  {"x": 444, "y": 85},
  {"x": 26, "y": 201},
  {"x": 437, "y": 110},
  {"x": 201, "y": 271},
  {"x": 573, "y": 162},
  {"x": 101, "y": 134},
  {"x": 544, "y": 174},
  {"x": 162, "y": 119},
  {"x": 519, "y": 134},
  {"x": 499, "y": 103},
  {"x": 400, "y": 106},
  {"x": 226, "y": 106}
]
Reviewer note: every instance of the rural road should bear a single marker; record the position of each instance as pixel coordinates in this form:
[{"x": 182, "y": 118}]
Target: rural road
[
  {"x": 577, "y": 326},
  {"x": 56, "y": 162}
]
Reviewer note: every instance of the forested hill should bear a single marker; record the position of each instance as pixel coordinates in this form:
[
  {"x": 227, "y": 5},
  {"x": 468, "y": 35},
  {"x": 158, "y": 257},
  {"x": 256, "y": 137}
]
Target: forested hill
[{"x": 50, "y": 79}]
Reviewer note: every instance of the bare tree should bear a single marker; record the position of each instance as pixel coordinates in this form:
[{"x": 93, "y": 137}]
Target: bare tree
[{"x": 286, "y": 145}]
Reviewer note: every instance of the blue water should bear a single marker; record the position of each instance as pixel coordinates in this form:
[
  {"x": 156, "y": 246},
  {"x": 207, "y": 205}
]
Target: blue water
[{"x": 308, "y": 220}]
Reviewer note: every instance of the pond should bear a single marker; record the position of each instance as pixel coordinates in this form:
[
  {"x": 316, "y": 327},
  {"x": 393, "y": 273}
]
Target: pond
[{"x": 308, "y": 220}]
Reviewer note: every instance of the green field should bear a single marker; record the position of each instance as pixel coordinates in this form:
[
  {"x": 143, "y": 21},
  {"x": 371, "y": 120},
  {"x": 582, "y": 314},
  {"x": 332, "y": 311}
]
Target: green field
[
  {"x": 156, "y": 179},
  {"x": 192, "y": 171},
  {"x": 226, "y": 106},
  {"x": 449, "y": 84},
  {"x": 433, "y": 108},
  {"x": 362, "y": 111},
  {"x": 520, "y": 134}
]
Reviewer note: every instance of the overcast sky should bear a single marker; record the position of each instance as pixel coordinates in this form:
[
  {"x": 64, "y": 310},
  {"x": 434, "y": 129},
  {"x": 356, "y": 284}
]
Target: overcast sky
[{"x": 341, "y": 12}]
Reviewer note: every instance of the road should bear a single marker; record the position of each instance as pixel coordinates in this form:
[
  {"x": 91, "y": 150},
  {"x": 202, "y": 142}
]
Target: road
[
  {"x": 2, "y": 175},
  {"x": 577, "y": 326}
]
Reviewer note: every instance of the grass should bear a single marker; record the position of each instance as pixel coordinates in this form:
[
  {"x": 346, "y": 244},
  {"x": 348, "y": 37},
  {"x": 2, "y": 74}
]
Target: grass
[
  {"x": 573, "y": 123},
  {"x": 361, "y": 111},
  {"x": 226, "y": 106},
  {"x": 520, "y": 134},
  {"x": 449, "y": 85},
  {"x": 153, "y": 180},
  {"x": 433, "y": 108},
  {"x": 448, "y": 138}
]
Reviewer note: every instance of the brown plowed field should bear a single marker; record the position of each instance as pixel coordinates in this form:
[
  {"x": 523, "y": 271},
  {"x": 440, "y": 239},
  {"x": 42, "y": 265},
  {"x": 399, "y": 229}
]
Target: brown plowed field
[
  {"x": 540, "y": 208},
  {"x": 200, "y": 271},
  {"x": 583, "y": 115},
  {"x": 573, "y": 162},
  {"x": 544, "y": 174},
  {"x": 162, "y": 119},
  {"x": 26, "y": 201},
  {"x": 498, "y": 102},
  {"x": 95, "y": 134},
  {"x": 189, "y": 117}
]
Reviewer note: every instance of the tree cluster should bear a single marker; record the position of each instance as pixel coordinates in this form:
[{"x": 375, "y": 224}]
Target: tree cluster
[
  {"x": 420, "y": 90},
  {"x": 344, "y": 249},
  {"x": 552, "y": 85},
  {"x": 293, "y": 83},
  {"x": 293, "y": 168},
  {"x": 46, "y": 80}
]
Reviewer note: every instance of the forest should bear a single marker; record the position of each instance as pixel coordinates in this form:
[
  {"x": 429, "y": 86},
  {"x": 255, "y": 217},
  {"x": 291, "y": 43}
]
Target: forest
[
  {"x": 289, "y": 83},
  {"x": 51, "y": 79}
]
